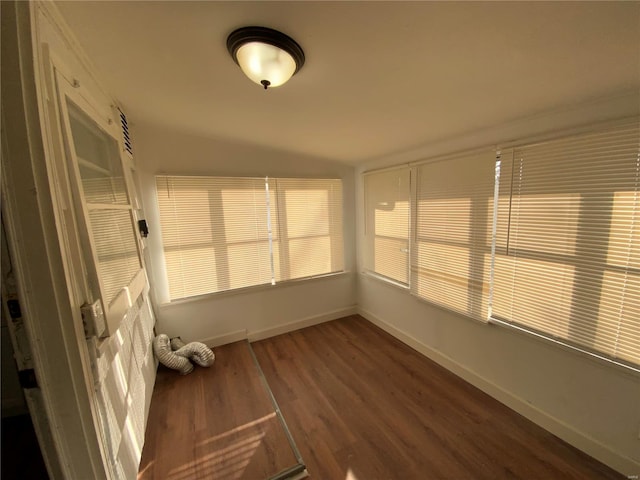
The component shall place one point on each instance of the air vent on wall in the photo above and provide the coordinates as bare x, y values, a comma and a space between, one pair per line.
125, 134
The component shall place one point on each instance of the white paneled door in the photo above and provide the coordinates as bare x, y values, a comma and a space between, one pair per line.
104, 198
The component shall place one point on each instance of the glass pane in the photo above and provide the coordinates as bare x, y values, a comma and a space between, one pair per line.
309, 256
98, 160
214, 232
310, 220
387, 223
115, 243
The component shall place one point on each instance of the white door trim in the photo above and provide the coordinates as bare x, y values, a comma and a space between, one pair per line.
34, 219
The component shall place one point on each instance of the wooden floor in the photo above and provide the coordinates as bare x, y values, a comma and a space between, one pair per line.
215, 423
361, 405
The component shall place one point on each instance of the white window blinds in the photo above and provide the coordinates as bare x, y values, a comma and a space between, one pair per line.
116, 249
222, 233
214, 232
568, 256
310, 230
451, 258
387, 216
106, 199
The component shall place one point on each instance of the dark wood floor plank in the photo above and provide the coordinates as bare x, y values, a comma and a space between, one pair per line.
360, 402
215, 423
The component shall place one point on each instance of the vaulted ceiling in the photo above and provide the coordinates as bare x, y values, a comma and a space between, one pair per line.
380, 77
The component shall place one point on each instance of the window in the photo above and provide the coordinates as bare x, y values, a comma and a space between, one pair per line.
310, 227
387, 224
568, 262
224, 233
452, 253
544, 238
104, 193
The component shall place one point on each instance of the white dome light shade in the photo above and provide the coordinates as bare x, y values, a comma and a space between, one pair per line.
268, 57
261, 61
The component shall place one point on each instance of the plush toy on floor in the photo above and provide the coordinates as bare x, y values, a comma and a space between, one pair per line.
179, 360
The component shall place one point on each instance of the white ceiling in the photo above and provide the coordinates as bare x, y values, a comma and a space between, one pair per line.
380, 77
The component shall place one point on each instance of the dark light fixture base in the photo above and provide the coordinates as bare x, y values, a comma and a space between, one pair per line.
244, 35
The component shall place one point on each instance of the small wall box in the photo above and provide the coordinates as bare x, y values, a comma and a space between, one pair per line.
93, 319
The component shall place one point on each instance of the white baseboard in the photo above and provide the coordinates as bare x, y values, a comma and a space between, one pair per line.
225, 339
298, 324
579, 440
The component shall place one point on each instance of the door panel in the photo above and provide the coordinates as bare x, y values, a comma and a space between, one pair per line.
104, 202
105, 210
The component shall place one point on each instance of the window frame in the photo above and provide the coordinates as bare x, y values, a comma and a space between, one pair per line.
577, 260
499, 183
276, 201
476, 246
369, 267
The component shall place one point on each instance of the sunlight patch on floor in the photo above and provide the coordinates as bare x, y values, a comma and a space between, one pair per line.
350, 475
225, 462
236, 430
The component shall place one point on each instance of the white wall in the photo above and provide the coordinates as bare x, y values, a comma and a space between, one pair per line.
255, 312
591, 404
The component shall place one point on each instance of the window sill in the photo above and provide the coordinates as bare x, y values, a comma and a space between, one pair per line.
252, 289
385, 280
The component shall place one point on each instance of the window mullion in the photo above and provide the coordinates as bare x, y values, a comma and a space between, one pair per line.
269, 231
494, 229
413, 209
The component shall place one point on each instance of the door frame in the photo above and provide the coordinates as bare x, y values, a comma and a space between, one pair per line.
35, 208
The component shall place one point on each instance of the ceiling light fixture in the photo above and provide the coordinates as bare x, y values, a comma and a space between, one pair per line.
268, 57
